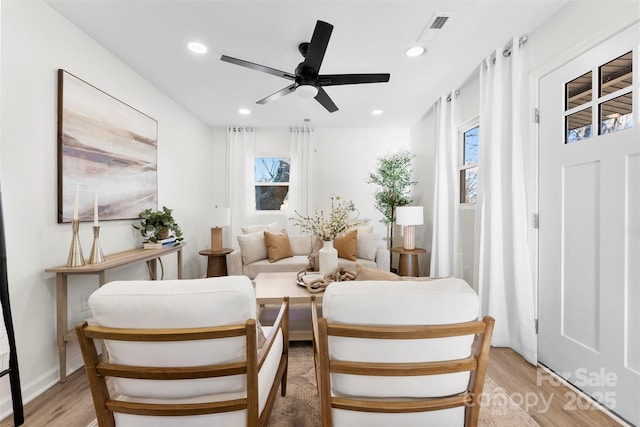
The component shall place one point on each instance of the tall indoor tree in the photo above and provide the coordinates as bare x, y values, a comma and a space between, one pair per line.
393, 178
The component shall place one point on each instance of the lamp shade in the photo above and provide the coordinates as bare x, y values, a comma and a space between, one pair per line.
220, 217
409, 215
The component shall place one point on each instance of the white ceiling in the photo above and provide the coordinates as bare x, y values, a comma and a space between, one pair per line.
368, 37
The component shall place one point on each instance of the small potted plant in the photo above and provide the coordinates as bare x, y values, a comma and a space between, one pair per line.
158, 225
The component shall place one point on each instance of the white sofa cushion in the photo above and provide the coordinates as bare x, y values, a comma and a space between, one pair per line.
366, 246
253, 247
176, 304
248, 229
301, 244
400, 303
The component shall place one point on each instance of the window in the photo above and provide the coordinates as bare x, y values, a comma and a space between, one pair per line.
271, 177
609, 94
469, 164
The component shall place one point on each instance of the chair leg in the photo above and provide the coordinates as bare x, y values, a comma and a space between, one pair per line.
283, 383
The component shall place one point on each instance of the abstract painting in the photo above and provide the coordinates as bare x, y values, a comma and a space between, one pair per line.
107, 151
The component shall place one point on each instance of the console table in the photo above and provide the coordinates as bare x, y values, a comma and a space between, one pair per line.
112, 261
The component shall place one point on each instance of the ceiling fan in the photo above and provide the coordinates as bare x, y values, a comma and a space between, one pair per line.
306, 80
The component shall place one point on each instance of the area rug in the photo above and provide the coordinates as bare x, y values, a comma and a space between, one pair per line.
301, 406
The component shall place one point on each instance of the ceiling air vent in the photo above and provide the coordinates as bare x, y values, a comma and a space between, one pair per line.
438, 22
433, 27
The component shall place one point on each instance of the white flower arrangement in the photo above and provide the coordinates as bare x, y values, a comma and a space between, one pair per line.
338, 221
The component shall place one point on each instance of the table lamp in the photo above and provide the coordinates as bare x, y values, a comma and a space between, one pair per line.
220, 218
409, 216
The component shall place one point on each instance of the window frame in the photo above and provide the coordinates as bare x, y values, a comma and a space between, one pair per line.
598, 99
256, 183
463, 128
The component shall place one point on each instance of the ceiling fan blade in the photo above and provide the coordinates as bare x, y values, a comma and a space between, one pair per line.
257, 67
318, 45
351, 79
323, 98
279, 94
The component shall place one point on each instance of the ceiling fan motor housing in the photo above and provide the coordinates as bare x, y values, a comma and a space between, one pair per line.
306, 80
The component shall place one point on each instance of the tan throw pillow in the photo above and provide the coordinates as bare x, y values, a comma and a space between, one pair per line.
278, 245
346, 245
364, 273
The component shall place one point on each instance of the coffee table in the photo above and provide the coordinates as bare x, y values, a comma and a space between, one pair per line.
271, 288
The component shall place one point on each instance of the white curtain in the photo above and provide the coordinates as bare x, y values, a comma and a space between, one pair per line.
239, 193
445, 241
300, 173
504, 272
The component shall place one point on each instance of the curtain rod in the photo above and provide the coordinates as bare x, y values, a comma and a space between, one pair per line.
301, 129
241, 129
455, 95
507, 52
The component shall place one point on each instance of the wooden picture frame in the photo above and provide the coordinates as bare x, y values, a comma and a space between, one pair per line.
105, 148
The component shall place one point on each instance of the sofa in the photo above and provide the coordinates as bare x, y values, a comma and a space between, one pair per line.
281, 252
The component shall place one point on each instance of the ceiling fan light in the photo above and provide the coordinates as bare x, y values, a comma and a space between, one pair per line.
197, 47
414, 51
307, 91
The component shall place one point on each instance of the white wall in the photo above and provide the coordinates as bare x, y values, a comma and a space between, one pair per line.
36, 41
423, 145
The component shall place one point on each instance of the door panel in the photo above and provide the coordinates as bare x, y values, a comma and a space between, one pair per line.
589, 236
580, 255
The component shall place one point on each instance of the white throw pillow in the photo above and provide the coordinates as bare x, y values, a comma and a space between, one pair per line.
272, 228
366, 246
253, 247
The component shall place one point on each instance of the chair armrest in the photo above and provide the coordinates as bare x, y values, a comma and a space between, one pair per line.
234, 263
383, 259
314, 326
281, 323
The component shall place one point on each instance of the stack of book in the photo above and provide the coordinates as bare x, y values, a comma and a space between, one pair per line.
163, 243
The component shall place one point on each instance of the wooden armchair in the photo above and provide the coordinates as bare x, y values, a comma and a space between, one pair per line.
183, 352
410, 353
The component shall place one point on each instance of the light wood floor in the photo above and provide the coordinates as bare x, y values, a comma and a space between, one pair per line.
70, 405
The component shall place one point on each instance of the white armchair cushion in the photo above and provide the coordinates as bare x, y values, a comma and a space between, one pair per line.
400, 303
176, 304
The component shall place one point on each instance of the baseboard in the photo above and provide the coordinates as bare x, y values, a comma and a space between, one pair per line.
36, 387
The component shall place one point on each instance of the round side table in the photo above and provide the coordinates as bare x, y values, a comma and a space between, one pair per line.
216, 261
408, 261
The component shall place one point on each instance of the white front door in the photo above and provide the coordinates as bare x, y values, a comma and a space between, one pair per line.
589, 260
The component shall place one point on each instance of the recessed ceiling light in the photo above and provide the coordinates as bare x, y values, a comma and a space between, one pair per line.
377, 112
415, 51
197, 47
244, 111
